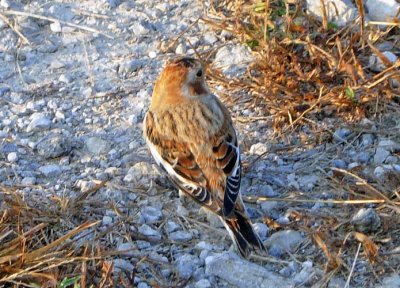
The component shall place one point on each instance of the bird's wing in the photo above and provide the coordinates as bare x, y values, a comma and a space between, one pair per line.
227, 154
179, 162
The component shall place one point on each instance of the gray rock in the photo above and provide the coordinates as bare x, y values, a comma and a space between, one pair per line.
363, 157
140, 173
203, 283
54, 145
4, 90
149, 232
341, 134
123, 265
66, 78
306, 277
47, 48
339, 163
107, 220
367, 140
12, 157
379, 172
308, 182
115, 4
389, 145
241, 273
380, 155
366, 220
151, 214
28, 181
39, 121
96, 146
261, 229
131, 66
172, 226
51, 170
3, 134
180, 236
353, 165
210, 38
128, 248
391, 281
186, 265
268, 206
140, 28
286, 240
267, 191
337, 282
85, 185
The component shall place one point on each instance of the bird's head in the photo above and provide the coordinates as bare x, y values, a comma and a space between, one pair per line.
181, 80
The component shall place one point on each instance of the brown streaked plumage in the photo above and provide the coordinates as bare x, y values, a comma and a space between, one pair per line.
191, 136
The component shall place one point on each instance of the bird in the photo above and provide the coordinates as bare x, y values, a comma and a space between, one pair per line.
191, 136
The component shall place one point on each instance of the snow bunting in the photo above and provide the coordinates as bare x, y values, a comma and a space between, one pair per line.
191, 136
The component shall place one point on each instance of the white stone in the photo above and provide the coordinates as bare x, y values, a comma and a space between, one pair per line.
146, 230
233, 59
210, 38
241, 273
152, 54
285, 240
51, 170
380, 155
5, 3
258, 149
12, 157
382, 10
39, 121
96, 145
180, 236
341, 12
55, 27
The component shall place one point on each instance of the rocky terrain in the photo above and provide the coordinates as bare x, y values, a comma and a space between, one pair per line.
76, 79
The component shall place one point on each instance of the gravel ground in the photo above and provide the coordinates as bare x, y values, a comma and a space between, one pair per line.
72, 103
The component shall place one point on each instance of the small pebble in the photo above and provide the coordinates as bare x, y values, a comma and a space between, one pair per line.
366, 220
12, 157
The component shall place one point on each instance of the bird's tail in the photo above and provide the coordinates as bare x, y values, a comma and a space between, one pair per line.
243, 234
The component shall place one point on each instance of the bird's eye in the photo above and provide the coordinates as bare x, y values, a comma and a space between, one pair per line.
199, 73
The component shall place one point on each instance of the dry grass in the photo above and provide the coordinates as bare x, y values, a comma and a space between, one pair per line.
305, 69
